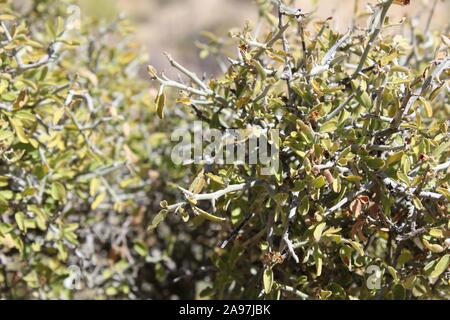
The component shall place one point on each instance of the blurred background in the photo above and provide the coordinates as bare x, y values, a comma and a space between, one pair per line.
175, 25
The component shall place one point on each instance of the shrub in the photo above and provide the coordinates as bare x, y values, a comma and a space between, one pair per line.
76, 172
361, 197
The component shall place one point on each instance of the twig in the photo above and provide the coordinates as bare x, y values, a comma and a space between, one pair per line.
215, 195
188, 73
400, 187
287, 73
375, 147
347, 199
272, 41
336, 111
170, 83
441, 167
329, 56
51, 52
294, 291
376, 31
83, 134
236, 231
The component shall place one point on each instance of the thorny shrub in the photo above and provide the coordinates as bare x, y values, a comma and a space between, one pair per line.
363, 184
81, 158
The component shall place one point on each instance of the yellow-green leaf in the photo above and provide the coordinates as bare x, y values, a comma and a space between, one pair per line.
441, 266
160, 104
208, 216
393, 158
268, 280
319, 182
98, 200
435, 248
318, 231
58, 191
160, 217
427, 106
329, 126
20, 220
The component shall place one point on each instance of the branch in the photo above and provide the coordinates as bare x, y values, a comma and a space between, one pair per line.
287, 73
294, 291
374, 147
236, 231
215, 195
336, 111
170, 83
271, 42
80, 129
347, 199
51, 52
400, 187
441, 167
188, 73
290, 246
382, 16
410, 98
329, 56
292, 212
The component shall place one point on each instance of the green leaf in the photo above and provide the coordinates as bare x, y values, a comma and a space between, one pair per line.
318, 259
319, 182
5, 228
393, 273
49, 26
7, 17
140, 247
437, 233
268, 280
353, 178
435, 248
393, 158
20, 220
306, 131
98, 200
160, 104
329, 126
58, 191
441, 266
403, 177
208, 216
281, 198
364, 100
399, 292
427, 107
324, 294
303, 209
358, 247
444, 192
318, 231
32, 279
375, 163
417, 203
160, 217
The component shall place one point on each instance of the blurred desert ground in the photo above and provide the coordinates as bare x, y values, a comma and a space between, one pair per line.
175, 25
